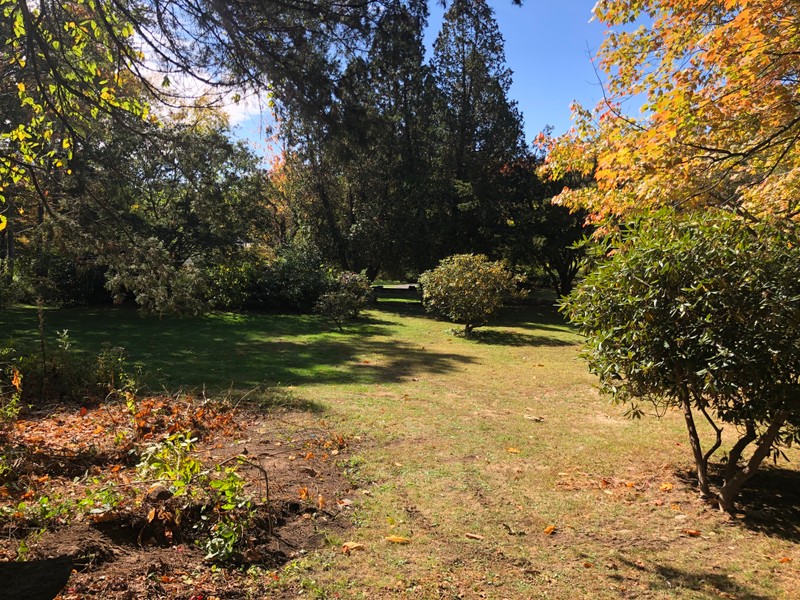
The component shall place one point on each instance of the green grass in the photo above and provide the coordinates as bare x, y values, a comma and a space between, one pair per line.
498, 436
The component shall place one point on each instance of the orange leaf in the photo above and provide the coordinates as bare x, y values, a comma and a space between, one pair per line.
84, 410
303, 491
512, 450
27, 495
785, 560
320, 501
151, 515
550, 530
16, 380
397, 539
692, 532
666, 487
99, 429
309, 456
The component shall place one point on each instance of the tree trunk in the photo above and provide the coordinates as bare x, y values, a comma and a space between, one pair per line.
730, 489
699, 459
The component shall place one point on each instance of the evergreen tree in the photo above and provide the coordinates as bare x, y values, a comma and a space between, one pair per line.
479, 130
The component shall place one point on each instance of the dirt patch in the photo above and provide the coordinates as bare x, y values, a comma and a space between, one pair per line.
75, 490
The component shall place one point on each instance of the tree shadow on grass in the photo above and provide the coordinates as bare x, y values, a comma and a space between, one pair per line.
668, 579
513, 338
236, 352
769, 502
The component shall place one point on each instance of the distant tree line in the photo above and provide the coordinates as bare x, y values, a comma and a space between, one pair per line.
389, 162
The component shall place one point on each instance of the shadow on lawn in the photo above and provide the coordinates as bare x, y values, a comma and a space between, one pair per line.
770, 501
669, 578
513, 338
240, 351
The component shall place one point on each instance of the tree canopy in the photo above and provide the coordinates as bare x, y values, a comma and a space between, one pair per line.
720, 119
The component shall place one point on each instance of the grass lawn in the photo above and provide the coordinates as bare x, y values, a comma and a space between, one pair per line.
494, 456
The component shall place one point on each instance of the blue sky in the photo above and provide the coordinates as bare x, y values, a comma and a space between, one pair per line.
548, 47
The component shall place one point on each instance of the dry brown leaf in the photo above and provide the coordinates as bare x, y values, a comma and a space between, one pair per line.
550, 530
588, 565
473, 536
691, 532
397, 539
349, 547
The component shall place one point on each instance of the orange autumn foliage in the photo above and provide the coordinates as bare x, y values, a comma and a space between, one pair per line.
720, 121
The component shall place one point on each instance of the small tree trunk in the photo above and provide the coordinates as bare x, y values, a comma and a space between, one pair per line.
468, 330
699, 459
736, 452
730, 489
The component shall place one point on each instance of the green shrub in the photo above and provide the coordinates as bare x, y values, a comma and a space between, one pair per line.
702, 313
348, 295
467, 289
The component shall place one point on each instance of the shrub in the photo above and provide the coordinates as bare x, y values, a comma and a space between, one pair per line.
701, 313
467, 289
347, 296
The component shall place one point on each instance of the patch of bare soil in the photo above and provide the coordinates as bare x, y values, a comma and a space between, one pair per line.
70, 486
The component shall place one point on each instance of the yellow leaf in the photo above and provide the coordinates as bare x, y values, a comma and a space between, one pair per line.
550, 530
512, 450
348, 547
397, 539
666, 487
21, 87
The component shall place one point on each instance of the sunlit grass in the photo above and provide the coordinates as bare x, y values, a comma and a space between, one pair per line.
499, 437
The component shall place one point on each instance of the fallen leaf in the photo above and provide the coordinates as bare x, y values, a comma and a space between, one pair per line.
397, 539
675, 507
344, 502
473, 536
151, 515
630, 484
84, 410
550, 530
588, 565
348, 547
785, 560
512, 450
666, 487
99, 429
303, 491
309, 456
692, 532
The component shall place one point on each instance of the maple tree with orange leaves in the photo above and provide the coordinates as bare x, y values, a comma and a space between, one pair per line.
720, 120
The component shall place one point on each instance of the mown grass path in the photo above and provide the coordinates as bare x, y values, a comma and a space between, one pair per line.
493, 455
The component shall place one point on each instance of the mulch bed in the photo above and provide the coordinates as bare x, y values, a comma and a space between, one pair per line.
69, 486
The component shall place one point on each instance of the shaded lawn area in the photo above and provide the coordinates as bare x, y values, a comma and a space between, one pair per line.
234, 351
